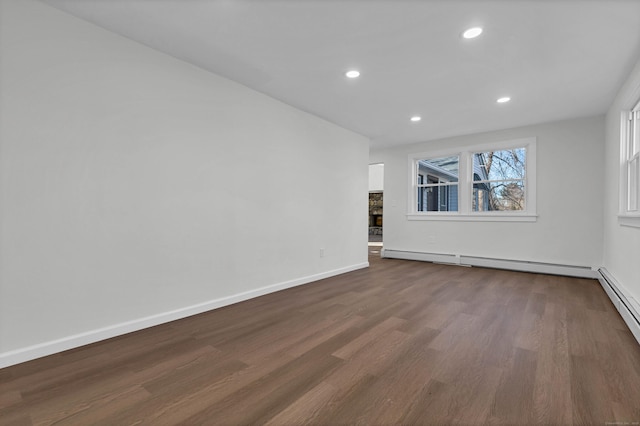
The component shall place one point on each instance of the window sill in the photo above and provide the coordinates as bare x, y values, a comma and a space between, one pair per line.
486, 217
629, 220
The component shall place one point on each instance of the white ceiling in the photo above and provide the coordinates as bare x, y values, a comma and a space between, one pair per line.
556, 59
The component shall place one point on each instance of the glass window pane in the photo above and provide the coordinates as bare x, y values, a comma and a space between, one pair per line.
498, 196
438, 170
635, 138
438, 198
500, 165
633, 184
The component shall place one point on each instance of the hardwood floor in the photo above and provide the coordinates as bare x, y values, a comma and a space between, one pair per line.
399, 343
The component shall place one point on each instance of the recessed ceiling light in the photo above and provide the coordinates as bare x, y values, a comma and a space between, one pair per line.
416, 118
352, 74
503, 100
472, 32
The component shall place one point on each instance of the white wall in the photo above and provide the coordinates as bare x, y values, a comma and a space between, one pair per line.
376, 177
568, 230
621, 243
136, 188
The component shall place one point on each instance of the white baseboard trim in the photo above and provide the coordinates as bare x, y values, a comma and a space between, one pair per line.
622, 300
70, 342
515, 265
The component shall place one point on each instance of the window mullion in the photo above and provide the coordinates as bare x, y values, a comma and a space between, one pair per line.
466, 183
634, 140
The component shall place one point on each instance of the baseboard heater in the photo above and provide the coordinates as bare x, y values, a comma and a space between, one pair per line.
484, 262
627, 310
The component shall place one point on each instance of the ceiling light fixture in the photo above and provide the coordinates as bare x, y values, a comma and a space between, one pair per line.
352, 74
503, 100
472, 32
416, 118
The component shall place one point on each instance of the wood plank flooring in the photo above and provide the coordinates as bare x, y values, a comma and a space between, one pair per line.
401, 342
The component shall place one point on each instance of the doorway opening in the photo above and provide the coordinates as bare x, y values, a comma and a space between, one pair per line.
376, 207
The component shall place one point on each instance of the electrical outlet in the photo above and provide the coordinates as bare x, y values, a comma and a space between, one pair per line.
321, 252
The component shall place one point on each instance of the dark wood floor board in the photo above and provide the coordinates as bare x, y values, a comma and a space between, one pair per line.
367, 306
507, 323
625, 344
514, 395
430, 279
114, 376
433, 315
338, 410
463, 368
462, 326
308, 408
23, 377
619, 391
431, 406
589, 390
178, 350
528, 335
110, 374
16, 418
625, 414
449, 291
401, 342
9, 398
397, 385
221, 330
467, 355
83, 395
349, 298
552, 388
476, 401
369, 362
130, 345
89, 410
156, 368
582, 339
176, 408
537, 302
194, 375
595, 296
163, 394
375, 333
311, 333
418, 301
424, 286
256, 336
310, 341
283, 387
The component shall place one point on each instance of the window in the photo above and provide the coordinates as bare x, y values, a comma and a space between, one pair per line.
630, 173
498, 180
494, 182
437, 188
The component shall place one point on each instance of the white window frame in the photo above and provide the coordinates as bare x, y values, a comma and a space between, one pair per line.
630, 167
440, 184
465, 184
